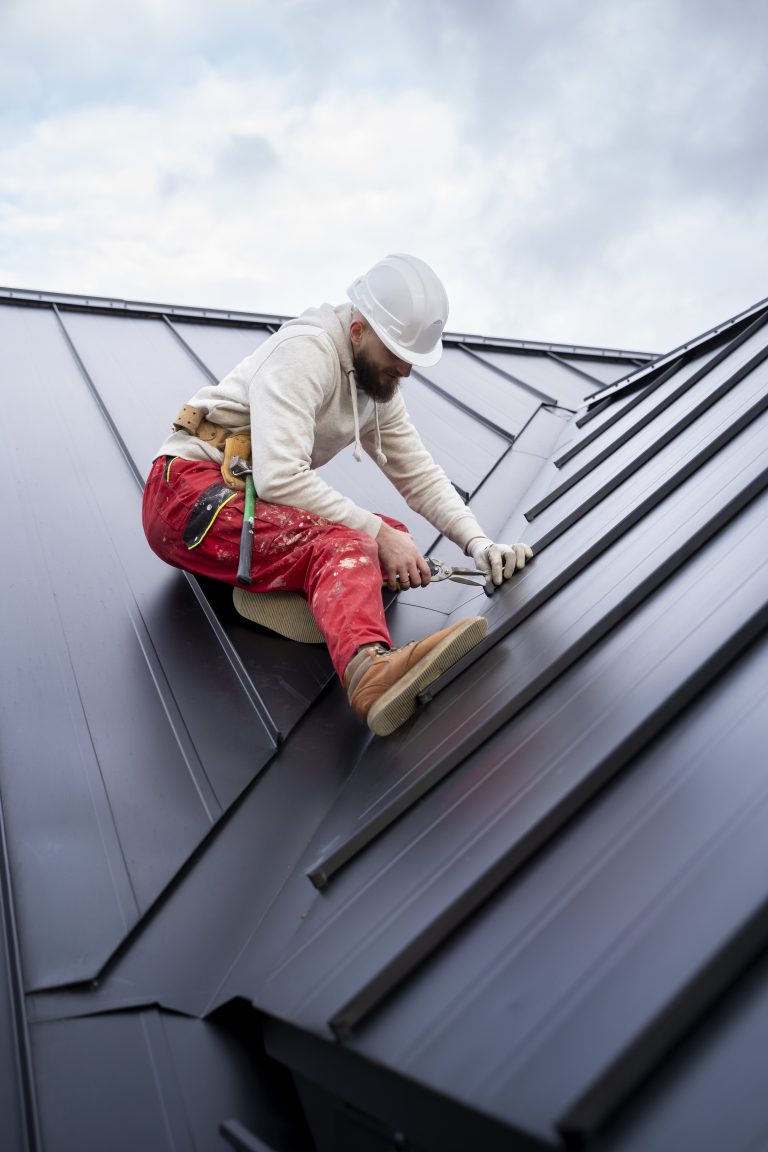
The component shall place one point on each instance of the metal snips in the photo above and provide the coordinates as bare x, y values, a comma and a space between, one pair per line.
439, 571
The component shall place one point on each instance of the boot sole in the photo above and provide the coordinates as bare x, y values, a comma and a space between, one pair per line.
286, 613
399, 703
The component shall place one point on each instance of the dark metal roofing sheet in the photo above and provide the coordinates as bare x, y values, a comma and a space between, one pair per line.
141, 372
675, 432
647, 893
723, 334
155, 1082
465, 448
538, 652
536, 777
97, 637
190, 941
632, 410
499, 400
571, 558
549, 375
574, 743
221, 347
709, 1093
520, 475
18, 1106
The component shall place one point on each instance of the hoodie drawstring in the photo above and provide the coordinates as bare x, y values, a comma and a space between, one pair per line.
381, 459
358, 453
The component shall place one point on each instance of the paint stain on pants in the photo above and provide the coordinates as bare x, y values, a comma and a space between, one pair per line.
335, 567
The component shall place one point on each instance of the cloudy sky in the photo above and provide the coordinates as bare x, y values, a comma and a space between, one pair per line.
586, 171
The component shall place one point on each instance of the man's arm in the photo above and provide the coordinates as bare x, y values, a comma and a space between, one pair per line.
286, 395
421, 482
427, 489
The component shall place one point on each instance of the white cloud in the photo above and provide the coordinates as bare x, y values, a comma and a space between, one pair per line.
588, 173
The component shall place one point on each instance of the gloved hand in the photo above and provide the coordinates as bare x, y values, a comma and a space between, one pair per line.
498, 561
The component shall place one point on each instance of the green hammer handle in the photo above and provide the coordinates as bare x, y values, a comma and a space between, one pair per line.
246, 536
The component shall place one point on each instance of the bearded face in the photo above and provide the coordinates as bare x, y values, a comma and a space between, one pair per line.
378, 370
380, 386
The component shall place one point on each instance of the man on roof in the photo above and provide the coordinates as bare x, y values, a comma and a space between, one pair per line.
324, 381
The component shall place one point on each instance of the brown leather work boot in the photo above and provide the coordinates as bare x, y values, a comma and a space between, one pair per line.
382, 685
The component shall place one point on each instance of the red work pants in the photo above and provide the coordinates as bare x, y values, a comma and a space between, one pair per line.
335, 567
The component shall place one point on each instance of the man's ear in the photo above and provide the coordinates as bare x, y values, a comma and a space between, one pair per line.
356, 329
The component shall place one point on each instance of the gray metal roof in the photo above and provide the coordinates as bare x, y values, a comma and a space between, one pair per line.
532, 918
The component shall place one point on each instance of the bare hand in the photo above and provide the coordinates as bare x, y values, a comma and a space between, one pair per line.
401, 560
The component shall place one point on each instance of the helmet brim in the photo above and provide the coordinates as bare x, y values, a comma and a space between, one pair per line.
415, 359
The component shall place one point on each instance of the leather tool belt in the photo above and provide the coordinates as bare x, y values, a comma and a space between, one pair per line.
194, 421
232, 444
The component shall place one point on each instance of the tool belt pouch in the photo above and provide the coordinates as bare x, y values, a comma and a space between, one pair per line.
234, 447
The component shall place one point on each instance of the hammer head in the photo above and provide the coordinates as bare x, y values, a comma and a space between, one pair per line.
239, 466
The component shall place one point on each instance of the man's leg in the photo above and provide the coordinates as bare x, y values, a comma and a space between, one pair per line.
336, 568
193, 521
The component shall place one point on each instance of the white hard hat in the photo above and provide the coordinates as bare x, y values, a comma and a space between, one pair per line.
406, 305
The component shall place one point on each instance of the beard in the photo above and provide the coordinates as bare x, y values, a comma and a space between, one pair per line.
375, 383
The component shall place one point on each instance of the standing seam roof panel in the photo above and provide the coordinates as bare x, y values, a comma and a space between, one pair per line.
88, 859
621, 891
742, 467
629, 696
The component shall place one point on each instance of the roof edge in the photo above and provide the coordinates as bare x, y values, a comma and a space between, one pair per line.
682, 349
92, 303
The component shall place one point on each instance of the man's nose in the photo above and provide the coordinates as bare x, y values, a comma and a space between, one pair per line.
403, 369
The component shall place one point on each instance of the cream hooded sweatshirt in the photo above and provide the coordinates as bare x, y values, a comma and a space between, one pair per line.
297, 395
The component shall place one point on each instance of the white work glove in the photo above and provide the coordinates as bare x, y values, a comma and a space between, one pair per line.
498, 561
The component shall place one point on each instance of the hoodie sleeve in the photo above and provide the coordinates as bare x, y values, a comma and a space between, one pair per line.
421, 482
287, 395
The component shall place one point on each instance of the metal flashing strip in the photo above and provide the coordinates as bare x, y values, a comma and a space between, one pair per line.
623, 437
748, 617
595, 549
571, 366
543, 346
675, 364
691, 345
716, 974
643, 458
543, 397
644, 421
381, 817
73, 302
590, 437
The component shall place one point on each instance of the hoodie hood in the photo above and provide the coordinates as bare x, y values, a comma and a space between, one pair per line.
336, 321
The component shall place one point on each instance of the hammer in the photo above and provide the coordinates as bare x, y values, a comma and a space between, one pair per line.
241, 467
